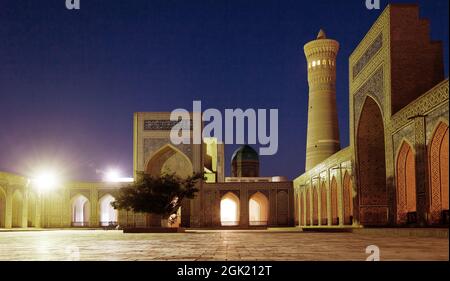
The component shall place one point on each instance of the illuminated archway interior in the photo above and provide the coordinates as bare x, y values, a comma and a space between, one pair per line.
229, 210
258, 209
108, 215
80, 211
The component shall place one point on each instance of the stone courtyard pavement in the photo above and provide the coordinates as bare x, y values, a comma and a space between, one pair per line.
213, 245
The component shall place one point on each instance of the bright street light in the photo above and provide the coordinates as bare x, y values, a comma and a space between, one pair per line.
45, 180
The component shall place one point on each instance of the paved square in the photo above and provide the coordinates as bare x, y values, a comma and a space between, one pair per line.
213, 245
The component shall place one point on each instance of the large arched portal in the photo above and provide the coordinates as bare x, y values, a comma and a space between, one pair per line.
258, 209
168, 160
108, 215
17, 209
2, 208
371, 165
405, 183
229, 210
438, 159
348, 199
80, 211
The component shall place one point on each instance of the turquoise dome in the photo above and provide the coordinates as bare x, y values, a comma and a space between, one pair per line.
245, 153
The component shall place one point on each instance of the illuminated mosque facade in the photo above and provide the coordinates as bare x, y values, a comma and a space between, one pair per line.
393, 173
395, 170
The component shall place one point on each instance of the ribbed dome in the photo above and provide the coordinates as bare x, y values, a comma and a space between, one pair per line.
245, 153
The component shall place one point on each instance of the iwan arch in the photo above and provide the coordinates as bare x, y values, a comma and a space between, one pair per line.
394, 172
243, 200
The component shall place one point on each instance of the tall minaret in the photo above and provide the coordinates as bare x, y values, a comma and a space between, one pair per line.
323, 130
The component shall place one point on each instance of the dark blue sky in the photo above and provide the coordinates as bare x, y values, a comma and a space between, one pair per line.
71, 80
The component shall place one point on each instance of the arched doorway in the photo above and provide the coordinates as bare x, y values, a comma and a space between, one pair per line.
405, 183
2, 208
32, 206
323, 204
308, 207
334, 202
371, 165
17, 209
169, 159
315, 206
438, 159
258, 209
348, 199
80, 210
229, 210
108, 215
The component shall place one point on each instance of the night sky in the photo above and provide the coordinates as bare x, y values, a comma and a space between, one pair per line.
71, 80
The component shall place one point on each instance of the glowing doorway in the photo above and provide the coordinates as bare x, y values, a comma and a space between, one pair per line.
108, 215
229, 210
258, 209
80, 211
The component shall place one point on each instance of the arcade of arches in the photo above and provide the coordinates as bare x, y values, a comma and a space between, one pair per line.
247, 202
34, 211
258, 210
337, 200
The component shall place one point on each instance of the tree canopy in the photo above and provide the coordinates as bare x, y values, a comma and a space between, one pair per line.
161, 195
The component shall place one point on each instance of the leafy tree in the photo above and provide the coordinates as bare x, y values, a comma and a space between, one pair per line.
157, 195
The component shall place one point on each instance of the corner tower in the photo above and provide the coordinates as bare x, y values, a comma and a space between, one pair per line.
323, 130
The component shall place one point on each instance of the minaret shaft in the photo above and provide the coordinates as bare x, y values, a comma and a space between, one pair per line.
323, 130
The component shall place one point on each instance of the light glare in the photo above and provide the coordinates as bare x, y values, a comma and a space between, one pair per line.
45, 180
112, 176
115, 176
